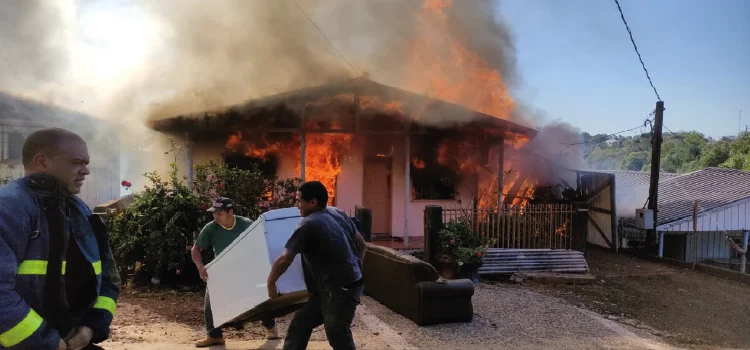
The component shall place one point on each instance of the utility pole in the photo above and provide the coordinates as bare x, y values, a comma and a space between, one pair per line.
653, 190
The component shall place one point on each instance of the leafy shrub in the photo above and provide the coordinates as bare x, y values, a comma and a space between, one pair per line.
157, 229
245, 187
460, 244
153, 235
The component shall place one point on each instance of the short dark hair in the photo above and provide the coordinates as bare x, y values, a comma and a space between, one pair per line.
45, 141
314, 190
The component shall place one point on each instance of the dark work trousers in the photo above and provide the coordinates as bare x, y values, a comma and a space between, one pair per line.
334, 309
216, 332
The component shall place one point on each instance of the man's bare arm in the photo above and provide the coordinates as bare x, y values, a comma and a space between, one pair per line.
195, 254
278, 268
359, 241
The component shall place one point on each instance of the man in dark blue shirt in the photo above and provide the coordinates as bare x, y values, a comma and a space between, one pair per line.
332, 252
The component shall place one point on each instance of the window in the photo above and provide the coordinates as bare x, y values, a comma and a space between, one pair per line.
429, 185
15, 146
430, 180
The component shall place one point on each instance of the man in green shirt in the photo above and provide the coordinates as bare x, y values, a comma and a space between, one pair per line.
219, 234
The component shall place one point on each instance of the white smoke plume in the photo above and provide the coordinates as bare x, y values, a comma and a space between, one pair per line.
130, 61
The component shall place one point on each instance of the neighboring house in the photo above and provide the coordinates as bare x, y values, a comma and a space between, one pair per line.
19, 117
368, 141
723, 197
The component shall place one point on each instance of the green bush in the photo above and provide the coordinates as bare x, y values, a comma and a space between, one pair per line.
460, 244
155, 231
153, 235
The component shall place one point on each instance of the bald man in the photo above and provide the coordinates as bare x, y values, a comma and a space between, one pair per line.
58, 282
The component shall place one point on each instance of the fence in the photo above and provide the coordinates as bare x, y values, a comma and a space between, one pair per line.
703, 247
535, 226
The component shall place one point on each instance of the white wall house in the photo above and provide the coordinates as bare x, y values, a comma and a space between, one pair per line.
723, 198
19, 117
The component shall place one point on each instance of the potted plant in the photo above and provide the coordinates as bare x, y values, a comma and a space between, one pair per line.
462, 250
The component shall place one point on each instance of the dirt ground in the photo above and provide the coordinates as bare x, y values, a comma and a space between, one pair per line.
635, 304
685, 308
164, 319
506, 315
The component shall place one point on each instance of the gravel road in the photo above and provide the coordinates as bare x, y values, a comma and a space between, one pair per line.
513, 318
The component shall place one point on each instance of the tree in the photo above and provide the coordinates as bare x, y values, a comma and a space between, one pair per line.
739, 153
681, 152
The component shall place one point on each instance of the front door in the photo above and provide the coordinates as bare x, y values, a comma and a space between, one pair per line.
377, 193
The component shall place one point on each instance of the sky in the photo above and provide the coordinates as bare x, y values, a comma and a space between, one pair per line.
577, 63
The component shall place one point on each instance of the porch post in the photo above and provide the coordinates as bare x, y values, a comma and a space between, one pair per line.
500, 175
302, 156
743, 264
407, 188
661, 244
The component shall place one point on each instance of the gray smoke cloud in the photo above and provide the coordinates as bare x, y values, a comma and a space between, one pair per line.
192, 55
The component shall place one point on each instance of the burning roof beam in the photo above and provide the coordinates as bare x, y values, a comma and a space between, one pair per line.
430, 111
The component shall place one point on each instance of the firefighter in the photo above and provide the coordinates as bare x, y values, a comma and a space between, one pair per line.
58, 282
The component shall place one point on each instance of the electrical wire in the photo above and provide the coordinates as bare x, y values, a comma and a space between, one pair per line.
636, 49
606, 137
329, 40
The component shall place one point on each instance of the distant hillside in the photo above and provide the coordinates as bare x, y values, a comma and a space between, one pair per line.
681, 152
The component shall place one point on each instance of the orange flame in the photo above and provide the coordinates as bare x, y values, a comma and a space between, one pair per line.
322, 158
322, 154
442, 64
417, 163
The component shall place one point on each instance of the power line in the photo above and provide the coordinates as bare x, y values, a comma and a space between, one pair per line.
606, 137
676, 135
636, 49
329, 40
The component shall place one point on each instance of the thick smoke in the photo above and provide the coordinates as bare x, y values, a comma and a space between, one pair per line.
199, 55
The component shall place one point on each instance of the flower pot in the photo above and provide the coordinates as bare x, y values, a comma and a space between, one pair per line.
470, 271
447, 269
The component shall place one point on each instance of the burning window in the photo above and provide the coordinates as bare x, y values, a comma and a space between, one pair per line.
430, 179
428, 185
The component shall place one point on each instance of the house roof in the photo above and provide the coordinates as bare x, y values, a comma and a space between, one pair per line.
26, 111
711, 187
635, 181
429, 110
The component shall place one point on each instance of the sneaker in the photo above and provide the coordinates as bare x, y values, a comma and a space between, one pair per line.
209, 342
272, 333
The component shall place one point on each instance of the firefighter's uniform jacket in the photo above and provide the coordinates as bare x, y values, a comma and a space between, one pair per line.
88, 287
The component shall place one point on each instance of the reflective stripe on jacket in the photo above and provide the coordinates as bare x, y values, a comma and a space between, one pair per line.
24, 248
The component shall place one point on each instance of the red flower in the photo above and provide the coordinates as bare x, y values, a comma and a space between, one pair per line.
479, 253
204, 206
453, 242
220, 186
125, 183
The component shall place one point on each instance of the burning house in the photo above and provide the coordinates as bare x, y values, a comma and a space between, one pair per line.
372, 145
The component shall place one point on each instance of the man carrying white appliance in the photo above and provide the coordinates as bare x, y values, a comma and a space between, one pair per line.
219, 234
332, 252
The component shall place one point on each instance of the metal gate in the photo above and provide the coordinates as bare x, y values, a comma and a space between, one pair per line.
534, 226
598, 190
